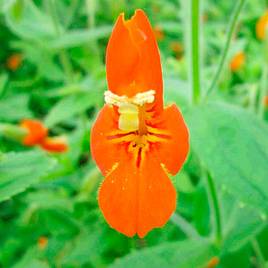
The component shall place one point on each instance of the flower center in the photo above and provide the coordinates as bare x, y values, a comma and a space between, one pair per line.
132, 111
133, 131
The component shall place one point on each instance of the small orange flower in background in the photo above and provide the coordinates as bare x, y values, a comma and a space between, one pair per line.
14, 62
262, 26
56, 144
177, 49
135, 141
158, 33
42, 242
265, 101
213, 262
37, 134
237, 61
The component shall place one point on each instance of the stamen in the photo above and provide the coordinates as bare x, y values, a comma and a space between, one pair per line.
144, 97
131, 117
139, 99
111, 98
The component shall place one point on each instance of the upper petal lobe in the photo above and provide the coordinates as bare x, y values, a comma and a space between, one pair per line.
132, 58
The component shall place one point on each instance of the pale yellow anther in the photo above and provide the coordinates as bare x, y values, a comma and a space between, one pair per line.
128, 108
113, 99
144, 97
139, 99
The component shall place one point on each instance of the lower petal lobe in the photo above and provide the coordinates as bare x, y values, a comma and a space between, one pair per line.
136, 200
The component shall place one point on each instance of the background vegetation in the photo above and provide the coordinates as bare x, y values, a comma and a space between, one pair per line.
52, 69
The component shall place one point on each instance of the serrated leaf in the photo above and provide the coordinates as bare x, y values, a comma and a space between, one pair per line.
18, 171
232, 144
183, 254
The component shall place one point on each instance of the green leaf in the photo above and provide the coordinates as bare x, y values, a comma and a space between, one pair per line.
240, 221
28, 22
19, 171
9, 113
71, 106
185, 254
79, 37
232, 144
3, 82
245, 224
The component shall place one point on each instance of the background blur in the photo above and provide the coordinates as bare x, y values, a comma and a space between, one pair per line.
52, 69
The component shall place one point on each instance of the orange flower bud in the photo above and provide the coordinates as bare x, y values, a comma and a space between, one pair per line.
36, 131
54, 145
262, 26
237, 61
177, 48
14, 62
213, 262
42, 242
265, 101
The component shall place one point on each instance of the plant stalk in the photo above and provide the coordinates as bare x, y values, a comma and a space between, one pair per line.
195, 50
64, 59
216, 208
230, 33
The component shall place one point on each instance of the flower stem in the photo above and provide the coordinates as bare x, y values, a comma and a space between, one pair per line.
230, 32
184, 225
195, 50
216, 207
263, 90
258, 253
264, 79
12, 132
63, 57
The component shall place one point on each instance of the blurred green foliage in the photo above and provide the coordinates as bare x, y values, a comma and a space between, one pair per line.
60, 79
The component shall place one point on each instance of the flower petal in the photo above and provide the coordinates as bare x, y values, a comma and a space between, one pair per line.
136, 200
55, 144
36, 131
172, 152
104, 152
132, 58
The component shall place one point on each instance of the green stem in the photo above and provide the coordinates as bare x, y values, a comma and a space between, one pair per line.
195, 47
230, 32
264, 79
263, 90
216, 207
185, 226
12, 132
64, 59
258, 253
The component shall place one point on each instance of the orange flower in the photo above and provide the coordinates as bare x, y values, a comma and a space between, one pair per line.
55, 144
36, 131
135, 141
213, 262
13, 62
237, 61
262, 26
42, 242
37, 134
265, 101
177, 48
158, 33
